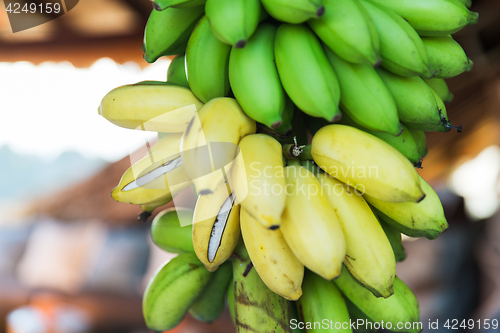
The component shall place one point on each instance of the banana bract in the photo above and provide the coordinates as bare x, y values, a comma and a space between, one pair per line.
310, 226
399, 309
271, 256
167, 233
423, 219
172, 290
367, 248
154, 179
216, 227
259, 179
209, 145
150, 107
366, 163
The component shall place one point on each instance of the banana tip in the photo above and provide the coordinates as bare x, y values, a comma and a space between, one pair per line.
143, 216
320, 11
205, 192
156, 6
274, 227
240, 44
421, 198
336, 118
377, 63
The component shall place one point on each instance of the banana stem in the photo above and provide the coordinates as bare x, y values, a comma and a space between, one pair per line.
306, 153
293, 162
291, 151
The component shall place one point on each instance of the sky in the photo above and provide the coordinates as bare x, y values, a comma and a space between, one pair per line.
51, 108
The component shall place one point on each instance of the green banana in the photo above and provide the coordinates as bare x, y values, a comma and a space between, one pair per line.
164, 4
295, 318
150, 107
230, 299
172, 290
401, 48
167, 233
399, 313
446, 56
440, 88
349, 31
365, 323
233, 21
364, 96
431, 17
208, 307
420, 141
322, 300
305, 72
394, 237
423, 219
294, 11
467, 3
167, 32
417, 103
176, 72
257, 309
207, 62
404, 142
254, 78
286, 128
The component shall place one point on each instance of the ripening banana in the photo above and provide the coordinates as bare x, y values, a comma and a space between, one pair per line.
294, 11
431, 17
209, 306
306, 74
420, 141
404, 142
167, 31
271, 256
256, 307
209, 145
349, 31
366, 163
254, 78
216, 227
156, 178
401, 48
310, 226
176, 72
164, 4
423, 219
446, 56
322, 300
150, 107
394, 237
367, 248
207, 61
172, 290
364, 96
233, 21
418, 105
167, 232
258, 179
440, 88
401, 308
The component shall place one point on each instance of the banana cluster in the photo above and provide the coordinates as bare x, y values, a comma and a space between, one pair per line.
299, 123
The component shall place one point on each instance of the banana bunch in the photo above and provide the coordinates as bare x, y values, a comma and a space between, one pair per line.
300, 125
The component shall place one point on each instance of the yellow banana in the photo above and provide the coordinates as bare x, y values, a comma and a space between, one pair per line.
150, 107
310, 226
271, 256
258, 179
216, 227
423, 219
367, 248
209, 144
153, 180
366, 163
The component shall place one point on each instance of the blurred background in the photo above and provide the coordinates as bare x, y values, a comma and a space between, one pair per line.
72, 260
